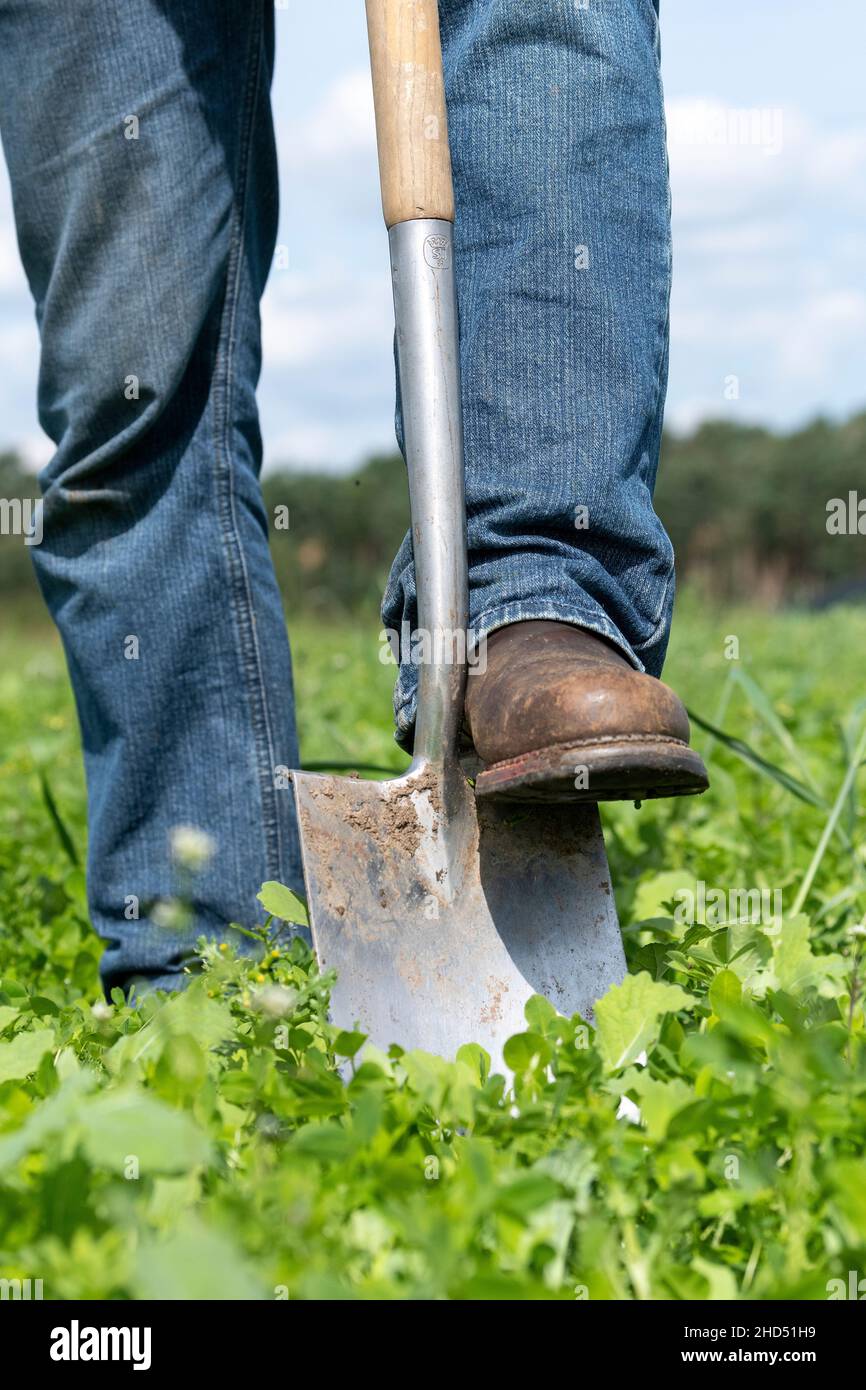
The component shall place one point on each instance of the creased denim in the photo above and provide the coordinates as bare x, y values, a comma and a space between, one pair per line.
146, 258
563, 252
147, 244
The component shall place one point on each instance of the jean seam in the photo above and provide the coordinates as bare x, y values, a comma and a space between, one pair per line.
658, 621
248, 650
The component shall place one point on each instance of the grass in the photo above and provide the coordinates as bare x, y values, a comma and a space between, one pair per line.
206, 1146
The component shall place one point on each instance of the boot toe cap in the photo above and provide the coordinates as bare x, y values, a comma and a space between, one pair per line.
617, 703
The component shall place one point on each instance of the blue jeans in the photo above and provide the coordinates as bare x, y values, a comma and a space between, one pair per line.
140, 148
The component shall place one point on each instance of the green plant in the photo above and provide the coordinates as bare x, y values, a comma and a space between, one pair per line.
705, 1140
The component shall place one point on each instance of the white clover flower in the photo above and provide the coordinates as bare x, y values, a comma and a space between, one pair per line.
169, 912
101, 1011
190, 847
275, 1000
269, 1126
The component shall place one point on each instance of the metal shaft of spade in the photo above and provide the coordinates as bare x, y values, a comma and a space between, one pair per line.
425, 314
418, 204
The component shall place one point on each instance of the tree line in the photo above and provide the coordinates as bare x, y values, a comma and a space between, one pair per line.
754, 516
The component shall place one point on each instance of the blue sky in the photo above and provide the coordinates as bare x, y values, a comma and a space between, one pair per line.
769, 304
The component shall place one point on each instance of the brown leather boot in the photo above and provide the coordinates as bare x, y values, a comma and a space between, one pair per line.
560, 715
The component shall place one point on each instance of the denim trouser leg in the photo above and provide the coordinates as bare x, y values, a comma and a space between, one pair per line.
139, 144
563, 264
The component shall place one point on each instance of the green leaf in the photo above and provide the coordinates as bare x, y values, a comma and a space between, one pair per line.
527, 1050
182, 1068
192, 1013
842, 800
348, 1044
763, 706
659, 1100
629, 1016
172, 1198
328, 1143
53, 1117
573, 1167
527, 1194
754, 760
21, 1056
53, 810
797, 968
474, 1056
122, 1125
849, 1182
539, 1013
656, 894
281, 902
238, 1087
195, 1263
449, 1088
723, 1284
724, 992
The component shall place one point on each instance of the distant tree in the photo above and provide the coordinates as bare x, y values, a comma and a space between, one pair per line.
17, 578
746, 509
342, 534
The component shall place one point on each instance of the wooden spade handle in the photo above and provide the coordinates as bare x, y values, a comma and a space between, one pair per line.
411, 120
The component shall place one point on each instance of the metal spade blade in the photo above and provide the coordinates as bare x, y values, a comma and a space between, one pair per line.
442, 915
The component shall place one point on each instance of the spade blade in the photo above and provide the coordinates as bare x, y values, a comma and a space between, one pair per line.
442, 915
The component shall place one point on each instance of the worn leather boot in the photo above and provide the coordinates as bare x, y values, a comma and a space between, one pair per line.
560, 715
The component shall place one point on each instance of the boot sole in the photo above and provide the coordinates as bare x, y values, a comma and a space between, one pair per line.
633, 768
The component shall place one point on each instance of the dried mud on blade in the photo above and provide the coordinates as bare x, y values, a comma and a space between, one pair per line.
442, 916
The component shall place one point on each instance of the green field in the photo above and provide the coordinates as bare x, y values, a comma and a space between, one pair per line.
205, 1146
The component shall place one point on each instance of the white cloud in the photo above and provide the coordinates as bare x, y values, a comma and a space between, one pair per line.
327, 390
36, 450
327, 315
324, 447
340, 127
812, 337
728, 161
685, 414
12, 278
767, 249
768, 256
749, 237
